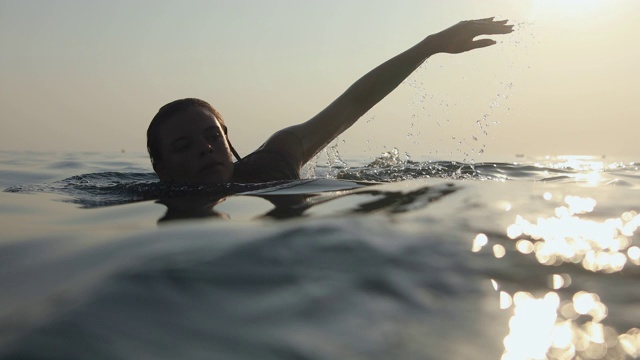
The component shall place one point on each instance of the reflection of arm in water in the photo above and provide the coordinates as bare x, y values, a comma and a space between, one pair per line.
305, 140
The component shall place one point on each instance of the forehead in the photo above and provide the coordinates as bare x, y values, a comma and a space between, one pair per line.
188, 122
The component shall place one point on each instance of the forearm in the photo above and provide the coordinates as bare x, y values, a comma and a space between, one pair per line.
360, 97
381, 81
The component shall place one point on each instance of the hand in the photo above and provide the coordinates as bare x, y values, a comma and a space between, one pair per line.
459, 37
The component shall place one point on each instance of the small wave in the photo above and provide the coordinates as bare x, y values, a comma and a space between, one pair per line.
390, 167
414, 170
116, 188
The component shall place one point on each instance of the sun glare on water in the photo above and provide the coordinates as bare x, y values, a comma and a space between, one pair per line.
567, 323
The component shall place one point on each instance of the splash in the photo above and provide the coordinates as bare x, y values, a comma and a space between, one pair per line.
390, 166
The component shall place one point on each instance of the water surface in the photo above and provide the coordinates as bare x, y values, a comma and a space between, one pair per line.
374, 259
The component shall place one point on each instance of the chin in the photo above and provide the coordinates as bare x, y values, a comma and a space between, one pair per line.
213, 178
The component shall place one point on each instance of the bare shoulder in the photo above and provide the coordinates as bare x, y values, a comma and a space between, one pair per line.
288, 143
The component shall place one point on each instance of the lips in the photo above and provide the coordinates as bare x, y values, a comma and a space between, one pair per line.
210, 166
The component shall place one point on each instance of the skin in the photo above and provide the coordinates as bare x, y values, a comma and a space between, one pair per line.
300, 143
194, 149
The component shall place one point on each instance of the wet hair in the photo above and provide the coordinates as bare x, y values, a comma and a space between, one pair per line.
168, 111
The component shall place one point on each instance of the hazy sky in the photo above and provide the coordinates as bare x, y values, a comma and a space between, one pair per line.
89, 75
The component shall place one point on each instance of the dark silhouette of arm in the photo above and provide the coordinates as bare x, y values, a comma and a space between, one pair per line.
303, 141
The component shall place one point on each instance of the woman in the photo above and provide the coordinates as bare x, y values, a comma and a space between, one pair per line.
188, 143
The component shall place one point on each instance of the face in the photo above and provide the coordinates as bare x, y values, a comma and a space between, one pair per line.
194, 149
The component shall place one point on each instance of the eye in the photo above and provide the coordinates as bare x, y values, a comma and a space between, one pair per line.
212, 136
181, 146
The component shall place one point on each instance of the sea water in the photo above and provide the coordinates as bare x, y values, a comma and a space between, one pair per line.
526, 258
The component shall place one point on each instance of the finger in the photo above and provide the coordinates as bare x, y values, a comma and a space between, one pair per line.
491, 20
502, 29
477, 44
493, 29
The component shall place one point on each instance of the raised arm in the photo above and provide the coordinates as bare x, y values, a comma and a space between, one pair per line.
303, 141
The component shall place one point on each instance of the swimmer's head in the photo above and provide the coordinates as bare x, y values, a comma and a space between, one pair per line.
187, 143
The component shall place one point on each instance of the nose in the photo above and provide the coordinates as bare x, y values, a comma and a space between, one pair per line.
205, 147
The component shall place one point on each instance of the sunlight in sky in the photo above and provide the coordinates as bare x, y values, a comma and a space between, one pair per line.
568, 8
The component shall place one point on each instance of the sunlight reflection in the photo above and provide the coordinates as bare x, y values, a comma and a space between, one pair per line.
577, 162
565, 237
559, 281
499, 251
630, 342
505, 300
555, 328
524, 246
589, 304
479, 241
590, 168
540, 329
562, 335
531, 316
634, 254
592, 178
495, 285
